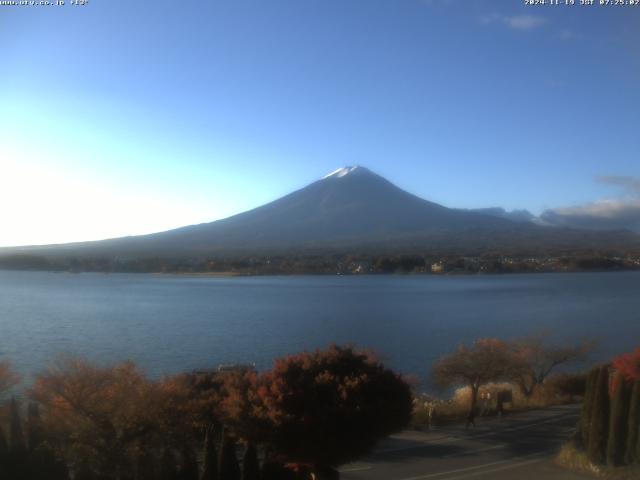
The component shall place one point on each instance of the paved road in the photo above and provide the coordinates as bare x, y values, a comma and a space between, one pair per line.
519, 447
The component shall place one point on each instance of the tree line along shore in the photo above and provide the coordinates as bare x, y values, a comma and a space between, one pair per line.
335, 263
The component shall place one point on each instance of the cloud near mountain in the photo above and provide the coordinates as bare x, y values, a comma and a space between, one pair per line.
607, 214
513, 215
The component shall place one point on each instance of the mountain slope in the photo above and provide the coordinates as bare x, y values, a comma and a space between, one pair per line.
349, 208
351, 204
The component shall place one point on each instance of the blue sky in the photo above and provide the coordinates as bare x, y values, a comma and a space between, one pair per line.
123, 117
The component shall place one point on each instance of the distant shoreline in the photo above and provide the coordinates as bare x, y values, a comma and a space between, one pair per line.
231, 274
337, 263
198, 274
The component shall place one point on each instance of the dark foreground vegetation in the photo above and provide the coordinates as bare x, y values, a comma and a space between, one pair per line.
302, 419
608, 435
332, 263
310, 413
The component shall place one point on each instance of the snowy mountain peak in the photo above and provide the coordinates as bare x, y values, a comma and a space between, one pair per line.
341, 172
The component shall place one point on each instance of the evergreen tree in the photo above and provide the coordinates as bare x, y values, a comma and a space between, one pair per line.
250, 464
189, 466
127, 469
228, 463
587, 407
16, 437
210, 457
618, 422
145, 466
4, 455
84, 472
4, 447
34, 426
599, 418
637, 459
633, 426
44, 464
168, 466
273, 469
17, 463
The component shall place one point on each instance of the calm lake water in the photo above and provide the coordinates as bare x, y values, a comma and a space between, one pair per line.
174, 323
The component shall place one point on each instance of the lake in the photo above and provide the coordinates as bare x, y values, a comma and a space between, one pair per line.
172, 323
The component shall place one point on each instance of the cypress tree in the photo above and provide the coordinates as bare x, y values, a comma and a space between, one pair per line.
45, 464
228, 464
250, 464
637, 459
618, 423
189, 466
4, 447
587, 407
210, 457
4, 455
127, 469
272, 469
16, 437
34, 426
168, 467
61, 471
633, 426
84, 473
145, 467
17, 463
599, 427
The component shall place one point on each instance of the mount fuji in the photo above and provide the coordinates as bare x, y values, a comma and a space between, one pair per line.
350, 208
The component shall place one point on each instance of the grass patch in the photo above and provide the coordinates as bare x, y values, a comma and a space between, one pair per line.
572, 458
456, 408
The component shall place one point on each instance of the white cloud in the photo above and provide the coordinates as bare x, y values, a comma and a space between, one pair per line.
515, 22
606, 209
612, 213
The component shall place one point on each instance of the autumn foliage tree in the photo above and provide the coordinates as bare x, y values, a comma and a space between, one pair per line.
484, 361
188, 407
312, 410
329, 407
8, 378
241, 408
628, 365
98, 415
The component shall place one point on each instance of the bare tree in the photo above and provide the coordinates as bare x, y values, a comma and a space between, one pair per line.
486, 360
535, 357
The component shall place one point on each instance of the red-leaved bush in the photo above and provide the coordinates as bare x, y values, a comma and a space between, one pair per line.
627, 366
